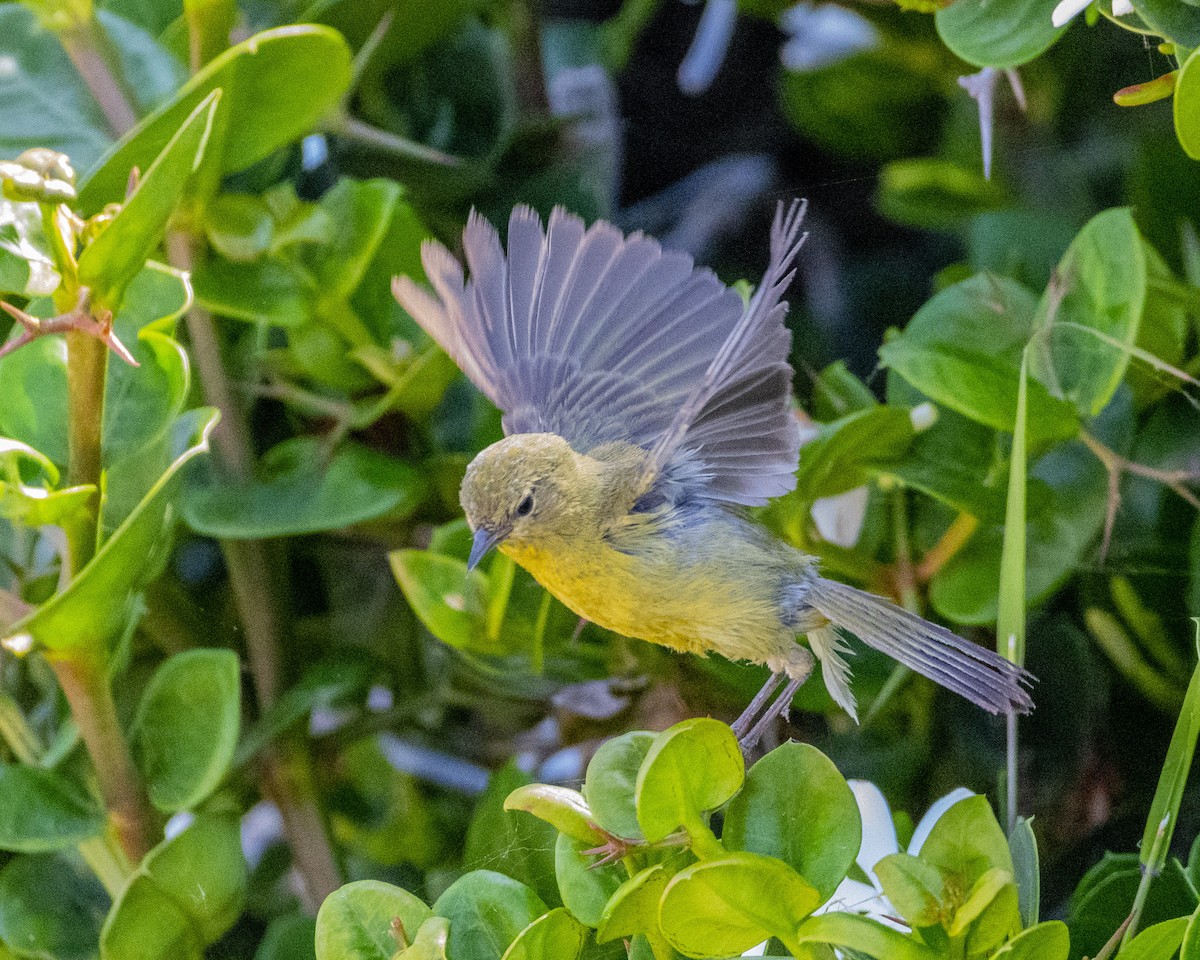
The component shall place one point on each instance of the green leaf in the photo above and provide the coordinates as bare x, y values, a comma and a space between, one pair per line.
45, 103
967, 841
430, 942
994, 889
1187, 105
723, 907
1022, 844
239, 226
633, 908
363, 211
563, 809
555, 936
934, 194
265, 291
301, 493
1090, 315
693, 767
186, 727
850, 451
288, 937
95, 606
796, 806
41, 811
585, 886
34, 410
446, 597
1190, 948
1067, 489
487, 912
915, 888
998, 33
1159, 942
509, 842
1175, 21
963, 349
1164, 809
355, 921
275, 86
26, 266
51, 906
1045, 941
111, 261
865, 936
141, 403
187, 893
611, 782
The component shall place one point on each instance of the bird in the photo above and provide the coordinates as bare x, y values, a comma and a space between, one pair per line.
646, 406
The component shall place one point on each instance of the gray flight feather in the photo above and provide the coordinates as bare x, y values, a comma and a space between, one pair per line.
981, 675
595, 336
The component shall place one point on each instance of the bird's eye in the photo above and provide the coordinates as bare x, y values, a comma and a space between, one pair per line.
525, 507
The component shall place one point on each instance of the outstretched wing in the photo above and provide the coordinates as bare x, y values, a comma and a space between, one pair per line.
600, 337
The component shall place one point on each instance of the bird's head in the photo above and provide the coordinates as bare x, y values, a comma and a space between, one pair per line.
521, 492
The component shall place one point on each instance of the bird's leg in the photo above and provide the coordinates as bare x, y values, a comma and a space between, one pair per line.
743, 723
781, 706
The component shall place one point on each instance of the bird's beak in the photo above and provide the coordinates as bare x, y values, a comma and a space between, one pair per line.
482, 543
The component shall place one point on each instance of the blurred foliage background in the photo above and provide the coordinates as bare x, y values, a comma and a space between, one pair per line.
323, 542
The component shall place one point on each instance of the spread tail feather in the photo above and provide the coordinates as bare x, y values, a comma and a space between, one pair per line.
981, 675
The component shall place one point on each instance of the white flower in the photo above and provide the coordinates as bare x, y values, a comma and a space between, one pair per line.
1068, 9
819, 36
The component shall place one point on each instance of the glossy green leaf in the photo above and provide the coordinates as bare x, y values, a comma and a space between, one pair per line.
430, 942
45, 103
963, 349
363, 211
51, 906
35, 396
186, 727
302, 493
487, 912
564, 809
555, 936
967, 841
187, 893
1090, 316
94, 607
1179, 22
693, 767
611, 782
1045, 941
999, 33
1187, 105
991, 906
585, 886
1159, 942
275, 86
851, 450
916, 888
722, 907
444, 595
863, 935
141, 403
1189, 949
796, 806
26, 267
239, 226
634, 907
41, 811
264, 291
355, 921
111, 261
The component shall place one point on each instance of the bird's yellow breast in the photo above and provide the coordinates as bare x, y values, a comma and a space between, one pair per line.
692, 603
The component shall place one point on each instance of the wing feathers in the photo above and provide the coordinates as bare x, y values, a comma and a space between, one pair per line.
600, 337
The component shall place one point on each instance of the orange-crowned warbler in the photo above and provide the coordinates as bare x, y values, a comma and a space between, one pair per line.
644, 406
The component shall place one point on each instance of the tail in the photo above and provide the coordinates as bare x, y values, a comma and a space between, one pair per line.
981, 675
